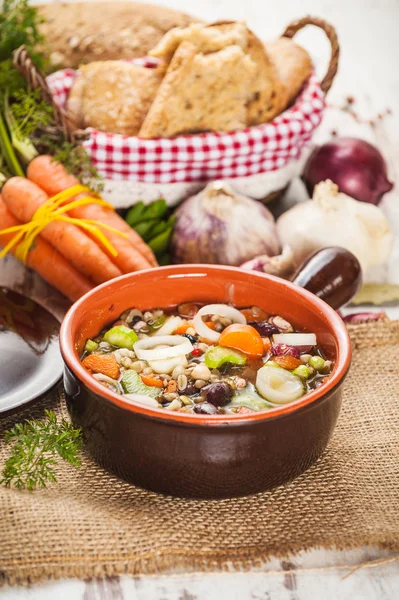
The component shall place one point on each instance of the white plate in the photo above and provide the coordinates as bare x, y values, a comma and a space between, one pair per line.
30, 359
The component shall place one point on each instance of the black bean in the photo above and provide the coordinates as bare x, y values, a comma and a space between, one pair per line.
218, 394
190, 390
205, 409
264, 328
190, 337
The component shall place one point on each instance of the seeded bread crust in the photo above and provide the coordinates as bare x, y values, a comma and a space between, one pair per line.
84, 32
113, 96
268, 96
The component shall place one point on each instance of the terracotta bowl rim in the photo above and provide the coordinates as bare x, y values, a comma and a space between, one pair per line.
71, 358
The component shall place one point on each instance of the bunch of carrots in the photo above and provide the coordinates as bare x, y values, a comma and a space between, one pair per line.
65, 255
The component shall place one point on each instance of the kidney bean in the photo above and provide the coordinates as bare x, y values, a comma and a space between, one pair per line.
218, 394
205, 409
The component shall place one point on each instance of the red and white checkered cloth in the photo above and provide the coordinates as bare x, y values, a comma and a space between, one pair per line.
206, 156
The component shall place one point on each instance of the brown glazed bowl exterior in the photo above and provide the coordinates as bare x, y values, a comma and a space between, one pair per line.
195, 455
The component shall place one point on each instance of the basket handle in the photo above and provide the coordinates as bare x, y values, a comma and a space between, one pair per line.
35, 79
331, 33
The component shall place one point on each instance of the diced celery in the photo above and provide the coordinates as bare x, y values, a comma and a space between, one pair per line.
217, 356
132, 384
121, 336
302, 371
317, 362
91, 346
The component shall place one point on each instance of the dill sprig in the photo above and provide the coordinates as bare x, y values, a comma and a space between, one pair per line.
36, 447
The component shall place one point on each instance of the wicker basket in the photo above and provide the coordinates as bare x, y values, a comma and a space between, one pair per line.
259, 161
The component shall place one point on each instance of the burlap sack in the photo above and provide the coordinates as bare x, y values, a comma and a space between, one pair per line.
91, 524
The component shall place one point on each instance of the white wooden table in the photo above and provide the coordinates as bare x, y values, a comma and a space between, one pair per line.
369, 72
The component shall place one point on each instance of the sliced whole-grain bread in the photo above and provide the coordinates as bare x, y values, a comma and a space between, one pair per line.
201, 92
268, 95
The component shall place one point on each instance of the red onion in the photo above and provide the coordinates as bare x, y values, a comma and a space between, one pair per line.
285, 350
357, 167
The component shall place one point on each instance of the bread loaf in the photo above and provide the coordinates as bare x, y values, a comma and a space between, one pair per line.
113, 96
293, 64
84, 32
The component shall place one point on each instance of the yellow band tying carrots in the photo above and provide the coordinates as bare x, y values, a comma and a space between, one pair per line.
56, 209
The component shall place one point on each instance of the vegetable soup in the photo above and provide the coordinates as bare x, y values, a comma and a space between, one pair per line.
212, 359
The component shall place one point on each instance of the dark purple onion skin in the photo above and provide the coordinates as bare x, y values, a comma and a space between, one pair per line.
357, 167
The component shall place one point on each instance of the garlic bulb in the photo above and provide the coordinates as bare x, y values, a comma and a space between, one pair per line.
334, 219
218, 226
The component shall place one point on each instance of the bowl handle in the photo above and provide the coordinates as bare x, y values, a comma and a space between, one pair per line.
333, 38
333, 274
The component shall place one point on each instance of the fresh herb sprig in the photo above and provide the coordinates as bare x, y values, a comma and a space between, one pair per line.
19, 23
36, 447
76, 161
30, 112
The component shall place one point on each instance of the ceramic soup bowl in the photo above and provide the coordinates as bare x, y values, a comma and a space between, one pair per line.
195, 455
